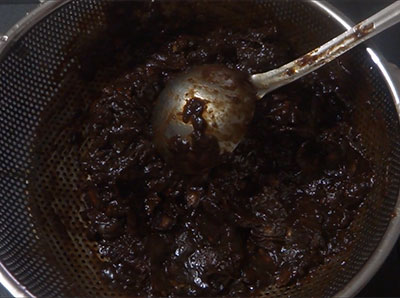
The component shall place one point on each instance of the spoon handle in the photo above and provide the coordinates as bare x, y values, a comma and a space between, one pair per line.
271, 80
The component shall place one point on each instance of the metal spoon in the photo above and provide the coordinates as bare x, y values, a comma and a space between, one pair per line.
229, 97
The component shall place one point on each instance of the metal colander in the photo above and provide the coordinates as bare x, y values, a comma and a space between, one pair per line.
44, 250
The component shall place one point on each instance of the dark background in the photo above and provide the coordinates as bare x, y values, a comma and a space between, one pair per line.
386, 282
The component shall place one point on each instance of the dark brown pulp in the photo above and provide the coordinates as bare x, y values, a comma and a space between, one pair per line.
200, 152
269, 213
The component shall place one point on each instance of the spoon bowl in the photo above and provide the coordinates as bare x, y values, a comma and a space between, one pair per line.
228, 101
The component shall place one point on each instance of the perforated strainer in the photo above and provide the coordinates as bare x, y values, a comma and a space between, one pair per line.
43, 246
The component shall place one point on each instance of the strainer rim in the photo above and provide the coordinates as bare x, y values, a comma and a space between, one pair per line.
392, 233
27, 22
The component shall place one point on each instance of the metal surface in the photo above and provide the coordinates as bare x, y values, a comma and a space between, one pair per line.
43, 171
228, 100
